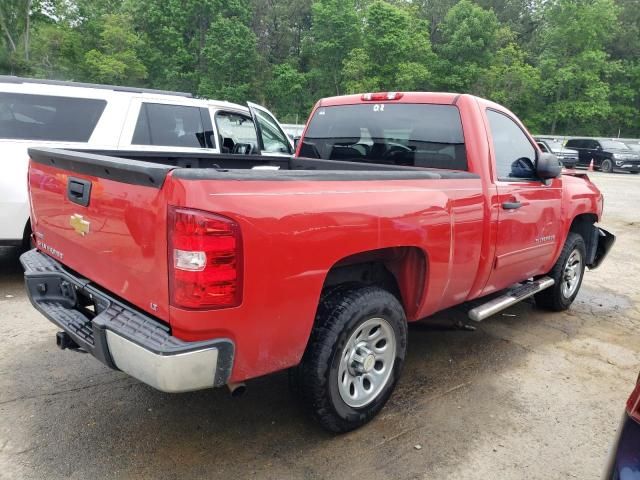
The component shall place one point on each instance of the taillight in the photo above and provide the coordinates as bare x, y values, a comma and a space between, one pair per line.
381, 96
205, 260
633, 404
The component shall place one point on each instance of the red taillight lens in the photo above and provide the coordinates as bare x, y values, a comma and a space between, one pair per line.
205, 260
381, 96
633, 404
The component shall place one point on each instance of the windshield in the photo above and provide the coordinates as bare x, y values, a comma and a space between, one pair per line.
420, 135
614, 145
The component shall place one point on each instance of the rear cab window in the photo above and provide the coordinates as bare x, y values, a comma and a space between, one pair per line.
418, 135
48, 117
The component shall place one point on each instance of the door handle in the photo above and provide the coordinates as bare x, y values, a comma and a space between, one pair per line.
511, 205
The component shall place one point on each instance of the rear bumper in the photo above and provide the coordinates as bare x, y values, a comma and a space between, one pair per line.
120, 336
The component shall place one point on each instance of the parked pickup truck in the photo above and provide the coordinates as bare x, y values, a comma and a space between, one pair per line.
188, 273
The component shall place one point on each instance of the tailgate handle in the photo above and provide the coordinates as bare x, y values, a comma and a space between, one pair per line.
78, 190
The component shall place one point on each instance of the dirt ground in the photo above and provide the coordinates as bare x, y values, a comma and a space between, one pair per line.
529, 394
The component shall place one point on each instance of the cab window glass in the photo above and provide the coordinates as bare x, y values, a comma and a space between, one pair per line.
49, 118
417, 135
273, 139
236, 132
514, 154
169, 126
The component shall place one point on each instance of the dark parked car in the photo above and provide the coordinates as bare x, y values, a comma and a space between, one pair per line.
624, 463
607, 155
568, 157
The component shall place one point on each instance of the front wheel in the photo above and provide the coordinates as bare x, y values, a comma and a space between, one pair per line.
567, 273
354, 357
606, 166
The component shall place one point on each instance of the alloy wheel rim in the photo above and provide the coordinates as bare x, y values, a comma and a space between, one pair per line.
366, 362
571, 274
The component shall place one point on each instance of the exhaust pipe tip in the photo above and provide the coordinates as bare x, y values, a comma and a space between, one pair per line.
237, 389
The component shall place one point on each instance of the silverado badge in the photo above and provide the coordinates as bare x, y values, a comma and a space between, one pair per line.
79, 224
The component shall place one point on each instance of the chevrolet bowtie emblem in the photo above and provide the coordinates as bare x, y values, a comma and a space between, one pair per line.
79, 224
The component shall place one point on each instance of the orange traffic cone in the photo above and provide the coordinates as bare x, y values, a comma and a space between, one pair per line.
590, 169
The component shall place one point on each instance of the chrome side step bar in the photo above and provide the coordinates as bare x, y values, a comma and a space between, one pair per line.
512, 297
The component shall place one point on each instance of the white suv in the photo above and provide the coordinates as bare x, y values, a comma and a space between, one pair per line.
101, 117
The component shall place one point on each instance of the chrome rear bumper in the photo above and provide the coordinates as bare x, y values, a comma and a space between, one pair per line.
120, 336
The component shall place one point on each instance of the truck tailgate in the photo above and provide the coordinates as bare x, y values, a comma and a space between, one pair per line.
106, 219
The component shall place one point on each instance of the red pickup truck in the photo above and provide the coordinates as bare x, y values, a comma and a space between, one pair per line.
189, 273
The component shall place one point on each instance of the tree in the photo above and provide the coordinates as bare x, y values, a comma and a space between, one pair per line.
470, 37
514, 83
228, 61
280, 26
574, 64
334, 33
15, 31
116, 61
286, 93
396, 52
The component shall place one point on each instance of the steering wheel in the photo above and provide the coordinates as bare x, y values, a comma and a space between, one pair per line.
394, 149
397, 150
243, 148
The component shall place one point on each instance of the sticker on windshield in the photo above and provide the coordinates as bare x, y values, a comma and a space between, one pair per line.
378, 107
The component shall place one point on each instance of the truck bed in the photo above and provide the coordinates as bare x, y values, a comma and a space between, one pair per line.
151, 168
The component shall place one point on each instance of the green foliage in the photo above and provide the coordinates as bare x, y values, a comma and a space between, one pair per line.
564, 66
334, 33
574, 64
470, 37
115, 60
511, 81
286, 92
226, 70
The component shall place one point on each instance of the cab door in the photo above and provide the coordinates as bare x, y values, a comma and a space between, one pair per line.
528, 215
271, 137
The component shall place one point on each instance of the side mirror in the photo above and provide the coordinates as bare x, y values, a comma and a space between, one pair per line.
548, 166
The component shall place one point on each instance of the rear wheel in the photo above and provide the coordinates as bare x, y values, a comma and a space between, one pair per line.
567, 273
354, 357
606, 166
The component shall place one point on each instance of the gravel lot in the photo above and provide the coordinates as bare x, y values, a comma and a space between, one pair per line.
529, 394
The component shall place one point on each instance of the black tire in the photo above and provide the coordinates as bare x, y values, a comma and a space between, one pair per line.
557, 298
315, 381
635, 173
606, 166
